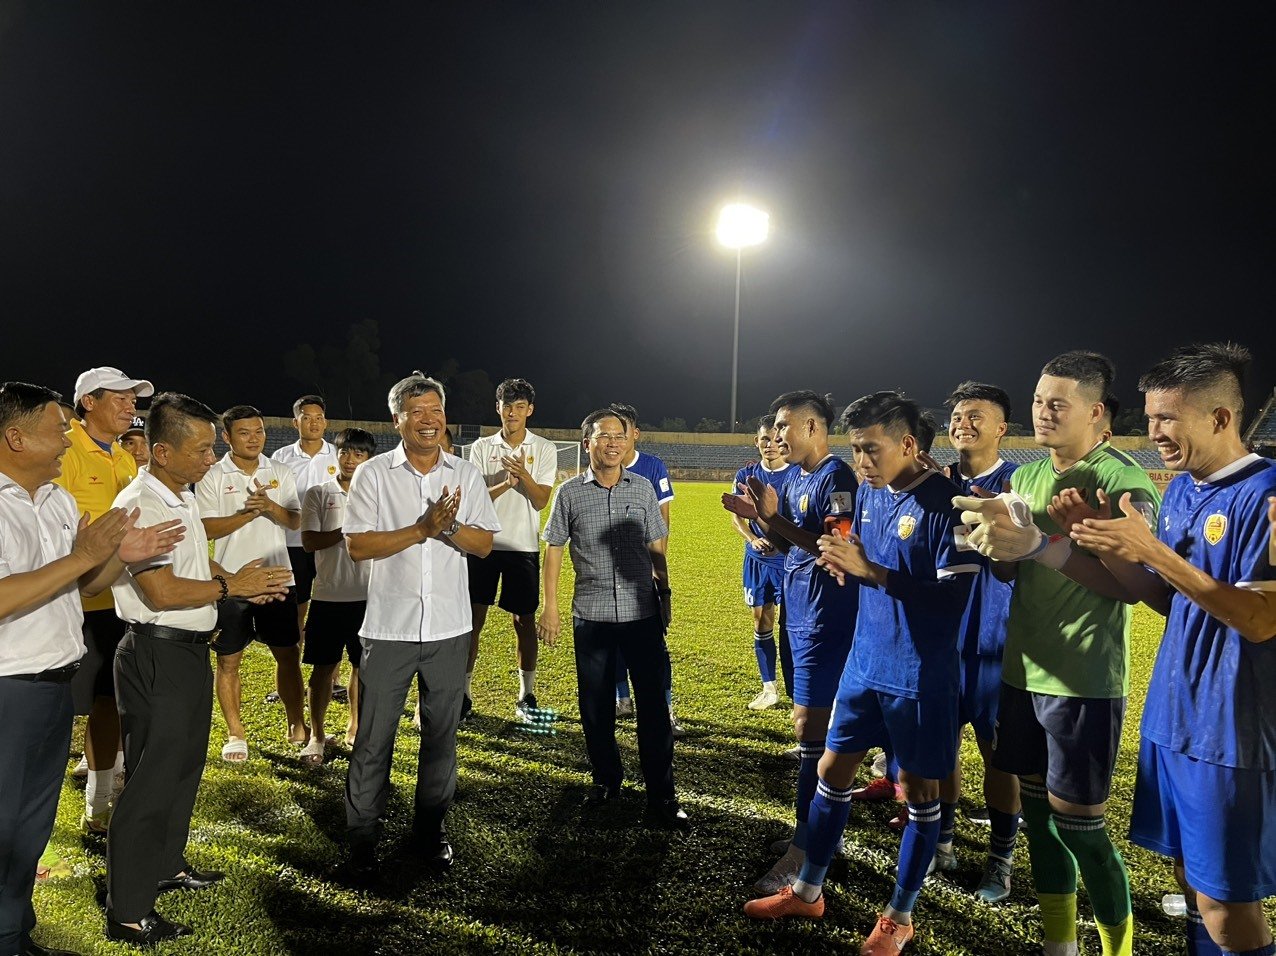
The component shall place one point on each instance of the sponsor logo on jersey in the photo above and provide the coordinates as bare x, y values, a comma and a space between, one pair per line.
864, 518
1215, 528
664, 484
907, 525
803, 502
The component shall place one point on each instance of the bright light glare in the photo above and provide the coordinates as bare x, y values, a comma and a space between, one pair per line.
741, 225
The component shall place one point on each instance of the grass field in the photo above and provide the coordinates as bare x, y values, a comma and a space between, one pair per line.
531, 877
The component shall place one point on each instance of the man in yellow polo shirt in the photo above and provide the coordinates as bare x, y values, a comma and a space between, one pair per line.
94, 470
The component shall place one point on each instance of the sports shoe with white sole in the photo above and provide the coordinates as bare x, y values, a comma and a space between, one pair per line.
994, 885
675, 726
783, 874
887, 939
81, 769
878, 769
765, 700
944, 860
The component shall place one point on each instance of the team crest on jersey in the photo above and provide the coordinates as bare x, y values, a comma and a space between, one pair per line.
531, 459
1215, 528
274, 482
332, 469
803, 502
907, 525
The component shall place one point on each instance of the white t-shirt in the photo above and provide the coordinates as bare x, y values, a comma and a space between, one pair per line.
307, 472
224, 490
520, 522
189, 560
337, 578
34, 533
422, 593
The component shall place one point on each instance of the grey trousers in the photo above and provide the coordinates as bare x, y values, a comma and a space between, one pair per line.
387, 670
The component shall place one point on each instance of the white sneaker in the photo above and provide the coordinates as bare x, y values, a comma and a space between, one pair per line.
783, 874
675, 726
879, 765
81, 771
624, 706
765, 700
944, 861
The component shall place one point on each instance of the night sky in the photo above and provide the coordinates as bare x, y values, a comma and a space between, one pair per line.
956, 190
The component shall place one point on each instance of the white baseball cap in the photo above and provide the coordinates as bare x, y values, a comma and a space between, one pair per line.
111, 379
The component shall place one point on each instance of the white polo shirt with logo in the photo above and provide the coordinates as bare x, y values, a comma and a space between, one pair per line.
33, 533
520, 521
223, 492
307, 472
189, 559
337, 578
423, 592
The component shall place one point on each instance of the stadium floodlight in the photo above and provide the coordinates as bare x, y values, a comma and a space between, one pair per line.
739, 227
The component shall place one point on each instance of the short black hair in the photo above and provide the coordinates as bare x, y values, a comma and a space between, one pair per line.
766, 423
169, 420
237, 413
80, 410
971, 391
21, 402
1111, 407
1200, 367
597, 415
356, 439
927, 428
516, 389
1092, 371
626, 413
896, 414
822, 405
305, 400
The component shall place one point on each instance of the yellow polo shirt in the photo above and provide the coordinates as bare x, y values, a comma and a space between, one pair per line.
94, 478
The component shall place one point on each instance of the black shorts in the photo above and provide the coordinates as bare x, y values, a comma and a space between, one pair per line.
303, 572
96, 676
240, 622
520, 575
333, 627
1070, 742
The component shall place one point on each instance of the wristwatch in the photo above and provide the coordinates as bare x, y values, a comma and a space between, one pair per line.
452, 529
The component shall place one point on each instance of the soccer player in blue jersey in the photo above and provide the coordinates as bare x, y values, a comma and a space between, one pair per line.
978, 422
1206, 788
763, 571
654, 470
820, 614
899, 687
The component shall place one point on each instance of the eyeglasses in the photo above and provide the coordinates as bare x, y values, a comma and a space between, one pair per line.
610, 438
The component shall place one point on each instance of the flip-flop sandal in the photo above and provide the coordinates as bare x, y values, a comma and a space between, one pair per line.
235, 750
312, 754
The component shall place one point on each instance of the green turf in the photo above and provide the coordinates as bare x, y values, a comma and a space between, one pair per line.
531, 877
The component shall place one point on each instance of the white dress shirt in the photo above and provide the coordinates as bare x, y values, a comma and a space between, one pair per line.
423, 592
222, 493
337, 578
189, 560
520, 522
34, 533
307, 471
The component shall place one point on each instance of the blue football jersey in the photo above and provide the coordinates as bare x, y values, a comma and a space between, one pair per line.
907, 646
1210, 694
983, 631
777, 480
654, 470
813, 599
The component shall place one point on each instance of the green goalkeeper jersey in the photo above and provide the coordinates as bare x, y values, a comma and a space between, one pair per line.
1062, 638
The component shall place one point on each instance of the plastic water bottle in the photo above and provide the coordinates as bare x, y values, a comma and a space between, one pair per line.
1174, 904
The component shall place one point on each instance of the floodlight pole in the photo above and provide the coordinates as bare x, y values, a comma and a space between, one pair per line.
735, 339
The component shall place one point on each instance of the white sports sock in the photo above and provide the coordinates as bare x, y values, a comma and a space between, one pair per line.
769, 685
97, 791
526, 683
119, 761
469, 684
807, 892
903, 919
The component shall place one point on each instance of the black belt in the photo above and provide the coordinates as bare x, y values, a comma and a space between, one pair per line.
179, 634
56, 675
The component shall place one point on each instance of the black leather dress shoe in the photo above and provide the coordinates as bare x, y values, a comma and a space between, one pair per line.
434, 847
361, 867
597, 795
667, 815
35, 949
154, 929
192, 879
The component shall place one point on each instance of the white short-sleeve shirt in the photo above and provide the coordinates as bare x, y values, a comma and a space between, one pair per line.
33, 533
307, 471
423, 592
337, 578
222, 493
520, 521
189, 560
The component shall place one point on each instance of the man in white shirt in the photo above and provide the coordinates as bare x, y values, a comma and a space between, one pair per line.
414, 513
519, 468
312, 461
247, 501
340, 596
49, 557
163, 684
